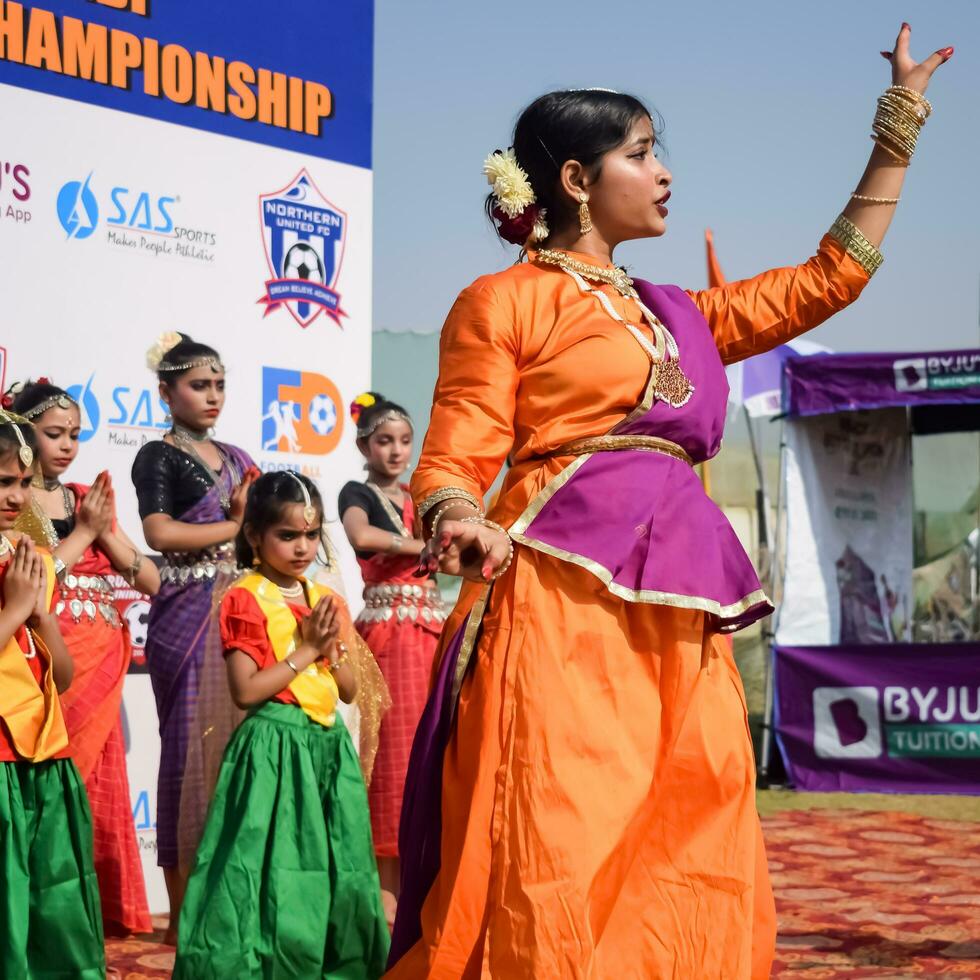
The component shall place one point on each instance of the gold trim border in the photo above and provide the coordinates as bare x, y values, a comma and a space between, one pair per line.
473, 622
606, 576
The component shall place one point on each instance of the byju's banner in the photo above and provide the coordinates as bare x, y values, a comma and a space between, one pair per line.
900, 718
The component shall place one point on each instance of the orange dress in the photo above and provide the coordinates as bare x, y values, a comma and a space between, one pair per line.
598, 806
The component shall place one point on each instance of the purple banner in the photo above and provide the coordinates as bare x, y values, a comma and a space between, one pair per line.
822, 383
894, 718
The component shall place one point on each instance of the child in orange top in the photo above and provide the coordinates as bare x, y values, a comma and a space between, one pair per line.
50, 919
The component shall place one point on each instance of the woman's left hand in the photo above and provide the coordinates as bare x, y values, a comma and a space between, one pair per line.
913, 74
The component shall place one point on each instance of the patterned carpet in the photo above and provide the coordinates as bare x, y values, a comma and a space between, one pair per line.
886, 895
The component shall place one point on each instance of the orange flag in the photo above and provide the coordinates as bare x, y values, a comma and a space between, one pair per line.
715, 276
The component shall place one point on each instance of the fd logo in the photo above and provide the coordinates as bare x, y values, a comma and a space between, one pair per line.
301, 412
304, 236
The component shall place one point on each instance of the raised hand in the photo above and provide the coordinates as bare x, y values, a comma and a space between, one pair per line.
239, 496
96, 511
321, 628
913, 74
24, 579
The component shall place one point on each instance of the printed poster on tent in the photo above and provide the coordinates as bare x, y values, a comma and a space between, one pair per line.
848, 484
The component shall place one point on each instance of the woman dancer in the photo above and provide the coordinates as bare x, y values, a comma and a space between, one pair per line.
402, 616
77, 523
285, 882
192, 492
585, 748
49, 916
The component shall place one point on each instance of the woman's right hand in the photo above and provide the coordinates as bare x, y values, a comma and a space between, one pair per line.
96, 512
473, 551
24, 579
322, 627
239, 496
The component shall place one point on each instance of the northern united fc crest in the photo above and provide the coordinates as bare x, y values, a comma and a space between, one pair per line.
304, 236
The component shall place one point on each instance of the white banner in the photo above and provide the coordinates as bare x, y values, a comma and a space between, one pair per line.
115, 227
848, 485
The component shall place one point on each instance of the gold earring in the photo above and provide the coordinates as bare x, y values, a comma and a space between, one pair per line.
256, 561
584, 217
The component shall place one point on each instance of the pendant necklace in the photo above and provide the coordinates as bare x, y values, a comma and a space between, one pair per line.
671, 385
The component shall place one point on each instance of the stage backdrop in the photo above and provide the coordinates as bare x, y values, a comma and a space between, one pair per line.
203, 167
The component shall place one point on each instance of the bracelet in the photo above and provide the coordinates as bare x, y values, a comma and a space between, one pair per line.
447, 493
291, 665
396, 543
343, 658
483, 522
874, 200
134, 568
856, 245
434, 526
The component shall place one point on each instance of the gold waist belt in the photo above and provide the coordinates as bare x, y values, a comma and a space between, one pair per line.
605, 444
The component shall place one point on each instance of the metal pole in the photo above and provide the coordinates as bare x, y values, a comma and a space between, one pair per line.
768, 634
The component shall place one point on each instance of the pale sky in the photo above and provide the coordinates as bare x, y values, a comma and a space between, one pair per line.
767, 107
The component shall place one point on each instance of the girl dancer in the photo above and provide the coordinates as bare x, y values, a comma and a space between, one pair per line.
403, 613
77, 524
285, 883
191, 491
50, 923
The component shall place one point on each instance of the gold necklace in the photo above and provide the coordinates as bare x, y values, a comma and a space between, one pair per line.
616, 277
670, 384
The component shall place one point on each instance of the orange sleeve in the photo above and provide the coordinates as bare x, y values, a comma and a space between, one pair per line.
754, 315
243, 627
471, 429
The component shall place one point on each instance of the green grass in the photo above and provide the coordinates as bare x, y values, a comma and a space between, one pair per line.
772, 801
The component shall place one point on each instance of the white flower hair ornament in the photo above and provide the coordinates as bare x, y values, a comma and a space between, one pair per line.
520, 218
164, 343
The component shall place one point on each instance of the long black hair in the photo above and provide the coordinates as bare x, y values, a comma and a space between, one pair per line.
268, 496
577, 124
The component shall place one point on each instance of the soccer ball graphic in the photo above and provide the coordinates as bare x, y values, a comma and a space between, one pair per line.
323, 415
302, 262
137, 616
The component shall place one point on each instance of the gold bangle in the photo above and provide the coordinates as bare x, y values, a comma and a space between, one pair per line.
447, 493
494, 526
874, 200
900, 160
434, 526
343, 658
856, 245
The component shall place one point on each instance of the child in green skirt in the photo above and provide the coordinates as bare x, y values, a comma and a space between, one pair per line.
50, 913
285, 884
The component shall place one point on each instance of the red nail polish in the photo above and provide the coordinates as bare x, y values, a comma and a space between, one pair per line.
906, 26
947, 53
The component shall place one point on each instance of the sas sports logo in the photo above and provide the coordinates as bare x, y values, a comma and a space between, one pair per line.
78, 210
302, 412
304, 236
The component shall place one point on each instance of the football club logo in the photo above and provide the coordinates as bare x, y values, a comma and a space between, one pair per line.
304, 237
301, 412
